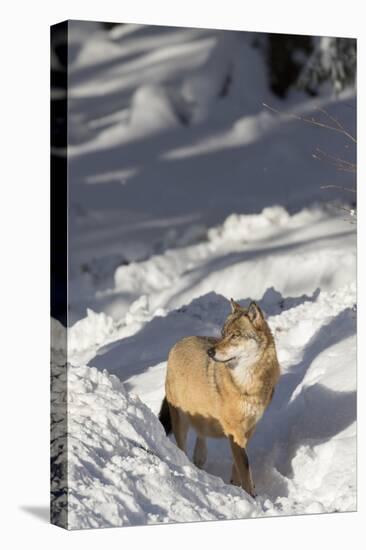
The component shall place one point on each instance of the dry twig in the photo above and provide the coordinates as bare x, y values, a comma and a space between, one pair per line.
336, 128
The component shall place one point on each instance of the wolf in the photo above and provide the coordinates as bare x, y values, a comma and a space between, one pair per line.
221, 387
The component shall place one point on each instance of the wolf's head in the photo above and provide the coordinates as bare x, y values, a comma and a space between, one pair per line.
245, 335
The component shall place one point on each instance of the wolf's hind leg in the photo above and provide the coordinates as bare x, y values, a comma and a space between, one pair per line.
180, 426
200, 451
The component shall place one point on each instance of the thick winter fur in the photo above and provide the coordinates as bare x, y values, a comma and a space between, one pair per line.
222, 386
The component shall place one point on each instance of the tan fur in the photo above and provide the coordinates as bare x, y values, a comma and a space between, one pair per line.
224, 395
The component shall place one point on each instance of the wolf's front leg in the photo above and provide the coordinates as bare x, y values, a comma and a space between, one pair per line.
235, 478
242, 468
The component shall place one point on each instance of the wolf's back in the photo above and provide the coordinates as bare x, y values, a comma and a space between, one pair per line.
187, 384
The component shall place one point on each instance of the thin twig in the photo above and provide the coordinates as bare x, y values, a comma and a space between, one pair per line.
337, 159
341, 164
314, 122
352, 212
350, 106
331, 117
338, 187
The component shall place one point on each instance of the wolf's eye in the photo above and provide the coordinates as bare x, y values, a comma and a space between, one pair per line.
236, 335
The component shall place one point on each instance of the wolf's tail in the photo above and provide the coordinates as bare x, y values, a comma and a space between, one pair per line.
164, 416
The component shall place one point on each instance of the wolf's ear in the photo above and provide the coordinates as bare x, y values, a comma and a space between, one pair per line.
255, 314
234, 306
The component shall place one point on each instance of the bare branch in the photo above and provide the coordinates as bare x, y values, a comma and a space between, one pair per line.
350, 106
338, 187
352, 212
339, 163
331, 117
337, 128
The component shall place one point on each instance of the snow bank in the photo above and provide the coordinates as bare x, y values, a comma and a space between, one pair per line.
237, 227
124, 471
253, 252
313, 461
90, 331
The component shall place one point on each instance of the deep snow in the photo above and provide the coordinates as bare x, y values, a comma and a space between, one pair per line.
184, 192
124, 471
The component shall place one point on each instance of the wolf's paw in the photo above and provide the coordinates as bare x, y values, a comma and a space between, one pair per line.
253, 493
199, 461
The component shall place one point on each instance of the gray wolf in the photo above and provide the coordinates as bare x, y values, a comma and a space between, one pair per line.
221, 387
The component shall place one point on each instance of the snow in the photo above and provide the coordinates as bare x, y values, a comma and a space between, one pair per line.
185, 192
122, 470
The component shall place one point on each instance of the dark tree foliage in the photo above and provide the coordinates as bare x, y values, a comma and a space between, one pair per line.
286, 56
309, 63
332, 63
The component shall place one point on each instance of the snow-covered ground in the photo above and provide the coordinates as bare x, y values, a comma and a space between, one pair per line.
184, 192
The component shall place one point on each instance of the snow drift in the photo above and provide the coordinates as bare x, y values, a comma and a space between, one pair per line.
122, 469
